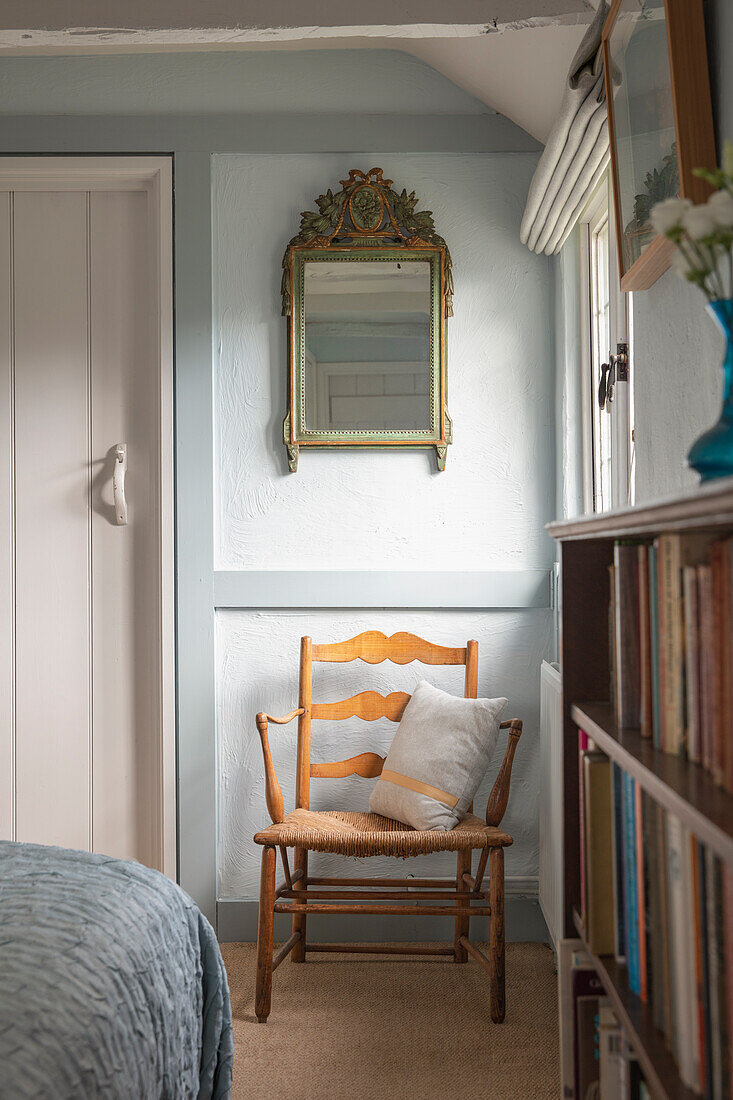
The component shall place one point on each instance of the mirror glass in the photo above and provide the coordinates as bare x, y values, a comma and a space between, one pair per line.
643, 116
367, 345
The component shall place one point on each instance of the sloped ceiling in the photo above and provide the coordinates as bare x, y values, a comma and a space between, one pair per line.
512, 55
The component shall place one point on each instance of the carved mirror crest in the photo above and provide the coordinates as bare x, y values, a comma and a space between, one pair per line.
367, 288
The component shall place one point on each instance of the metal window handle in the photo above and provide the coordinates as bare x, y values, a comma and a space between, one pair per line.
118, 484
615, 370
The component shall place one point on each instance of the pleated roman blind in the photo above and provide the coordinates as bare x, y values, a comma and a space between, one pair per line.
577, 151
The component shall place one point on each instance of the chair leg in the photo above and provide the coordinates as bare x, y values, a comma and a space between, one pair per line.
300, 862
497, 1001
263, 991
462, 924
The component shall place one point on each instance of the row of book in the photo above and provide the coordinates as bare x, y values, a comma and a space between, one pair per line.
671, 619
663, 905
597, 1061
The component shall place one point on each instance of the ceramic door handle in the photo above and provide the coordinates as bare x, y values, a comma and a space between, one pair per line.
118, 484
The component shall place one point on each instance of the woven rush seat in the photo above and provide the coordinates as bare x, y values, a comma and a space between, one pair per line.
350, 833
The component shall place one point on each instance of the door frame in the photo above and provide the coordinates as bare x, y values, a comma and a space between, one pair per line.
153, 175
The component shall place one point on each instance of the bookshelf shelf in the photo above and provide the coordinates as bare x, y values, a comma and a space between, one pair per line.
707, 508
656, 1060
684, 789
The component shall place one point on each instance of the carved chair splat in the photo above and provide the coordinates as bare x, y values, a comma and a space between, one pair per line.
362, 834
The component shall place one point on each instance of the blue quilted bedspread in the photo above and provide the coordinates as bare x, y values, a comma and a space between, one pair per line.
111, 983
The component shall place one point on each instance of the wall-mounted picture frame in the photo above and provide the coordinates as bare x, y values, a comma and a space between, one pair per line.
660, 122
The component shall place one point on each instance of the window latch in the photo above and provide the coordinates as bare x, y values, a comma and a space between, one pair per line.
615, 370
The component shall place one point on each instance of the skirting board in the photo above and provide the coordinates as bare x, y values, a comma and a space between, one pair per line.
237, 923
275, 588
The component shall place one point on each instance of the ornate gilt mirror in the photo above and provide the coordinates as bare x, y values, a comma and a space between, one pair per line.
367, 288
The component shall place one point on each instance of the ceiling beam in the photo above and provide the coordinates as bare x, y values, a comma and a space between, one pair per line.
71, 25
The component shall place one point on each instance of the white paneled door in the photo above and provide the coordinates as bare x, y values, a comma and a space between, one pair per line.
86, 599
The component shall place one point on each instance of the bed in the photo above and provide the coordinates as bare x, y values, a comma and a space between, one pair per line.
111, 983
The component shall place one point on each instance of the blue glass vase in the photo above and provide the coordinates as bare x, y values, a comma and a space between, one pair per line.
712, 454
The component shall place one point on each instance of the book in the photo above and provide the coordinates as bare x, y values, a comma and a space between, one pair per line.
569, 955
671, 644
630, 1075
654, 632
653, 917
626, 634
641, 910
618, 863
728, 662
630, 887
716, 975
663, 1002
708, 670
689, 1055
587, 990
692, 663
583, 742
678, 959
646, 703
699, 963
609, 1054
724, 930
588, 1065
599, 910
720, 731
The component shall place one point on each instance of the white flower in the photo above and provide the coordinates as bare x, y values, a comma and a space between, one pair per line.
668, 215
698, 222
720, 207
680, 264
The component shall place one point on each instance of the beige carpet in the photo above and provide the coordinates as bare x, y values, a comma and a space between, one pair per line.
389, 1028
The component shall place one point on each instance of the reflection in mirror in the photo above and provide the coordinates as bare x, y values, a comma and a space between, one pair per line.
643, 112
367, 345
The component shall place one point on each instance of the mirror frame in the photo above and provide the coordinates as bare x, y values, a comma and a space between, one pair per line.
387, 229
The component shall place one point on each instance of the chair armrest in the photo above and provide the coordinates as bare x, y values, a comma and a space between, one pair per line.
273, 794
499, 796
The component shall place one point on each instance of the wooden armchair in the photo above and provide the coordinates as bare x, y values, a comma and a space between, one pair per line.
367, 834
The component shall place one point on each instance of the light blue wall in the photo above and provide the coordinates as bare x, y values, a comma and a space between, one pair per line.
194, 105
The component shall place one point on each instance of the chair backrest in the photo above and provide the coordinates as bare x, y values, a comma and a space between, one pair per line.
373, 647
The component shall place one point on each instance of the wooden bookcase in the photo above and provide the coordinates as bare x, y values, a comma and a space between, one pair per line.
687, 790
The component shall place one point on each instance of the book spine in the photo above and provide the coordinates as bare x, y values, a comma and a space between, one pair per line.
726, 656
690, 1057
706, 610
641, 909
618, 862
692, 663
653, 921
699, 988
678, 943
654, 632
671, 640
582, 749
724, 932
628, 680
598, 917
646, 718
712, 889
720, 732
630, 888
667, 1017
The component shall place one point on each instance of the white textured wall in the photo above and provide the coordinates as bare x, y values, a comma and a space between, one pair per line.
257, 656
378, 509
381, 509
677, 351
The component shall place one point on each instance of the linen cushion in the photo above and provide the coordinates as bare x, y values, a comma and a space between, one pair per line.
438, 757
